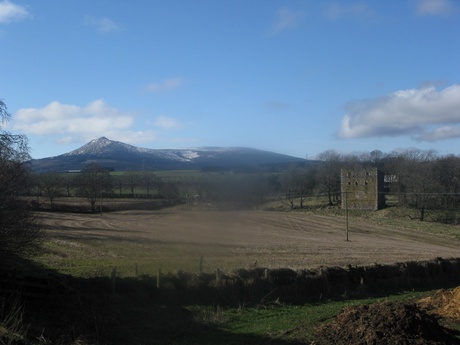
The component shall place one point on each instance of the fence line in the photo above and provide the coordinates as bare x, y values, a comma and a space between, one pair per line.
261, 284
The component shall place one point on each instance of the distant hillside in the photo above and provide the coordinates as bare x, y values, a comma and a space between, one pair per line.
124, 157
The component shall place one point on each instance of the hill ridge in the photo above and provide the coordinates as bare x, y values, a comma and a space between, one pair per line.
120, 156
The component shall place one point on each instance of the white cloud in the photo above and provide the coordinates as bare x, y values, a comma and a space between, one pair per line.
71, 123
286, 19
425, 114
337, 10
435, 7
441, 133
102, 24
10, 12
165, 85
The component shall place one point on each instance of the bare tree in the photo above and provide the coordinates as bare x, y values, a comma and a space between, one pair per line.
149, 181
329, 173
297, 183
169, 190
417, 180
13, 147
119, 182
185, 188
92, 183
68, 183
290, 186
308, 182
50, 183
131, 179
448, 174
424, 186
20, 232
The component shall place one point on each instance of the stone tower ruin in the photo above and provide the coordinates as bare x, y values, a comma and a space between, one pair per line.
362, 189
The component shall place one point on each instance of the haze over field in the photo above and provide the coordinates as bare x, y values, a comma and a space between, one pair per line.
296, 78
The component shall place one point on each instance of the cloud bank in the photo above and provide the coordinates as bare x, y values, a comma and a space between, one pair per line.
72, 124
424, 114
10, 12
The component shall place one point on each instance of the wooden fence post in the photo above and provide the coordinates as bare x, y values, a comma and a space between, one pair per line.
201, 265
114, 279
266, 273
158, 278
218, 276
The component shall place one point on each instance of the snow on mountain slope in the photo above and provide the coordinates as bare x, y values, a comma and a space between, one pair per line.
101, 146
124, 157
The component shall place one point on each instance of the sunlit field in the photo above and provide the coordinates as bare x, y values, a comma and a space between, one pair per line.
194, 238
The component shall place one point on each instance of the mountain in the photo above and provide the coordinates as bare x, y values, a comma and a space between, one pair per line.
119, 156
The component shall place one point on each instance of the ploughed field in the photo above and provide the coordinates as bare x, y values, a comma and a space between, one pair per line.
140, 242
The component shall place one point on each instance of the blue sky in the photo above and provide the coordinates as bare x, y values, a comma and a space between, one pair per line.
297, 77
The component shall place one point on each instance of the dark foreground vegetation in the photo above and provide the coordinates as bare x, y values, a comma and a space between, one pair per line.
186, 308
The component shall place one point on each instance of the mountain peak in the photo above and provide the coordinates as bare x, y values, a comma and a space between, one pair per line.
101, 139
102, 145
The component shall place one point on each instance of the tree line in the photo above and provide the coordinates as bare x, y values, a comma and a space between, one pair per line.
418, 179
96, 182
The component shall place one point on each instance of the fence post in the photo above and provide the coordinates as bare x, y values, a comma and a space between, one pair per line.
158, 278
218, 276
114, 279
266, 274
346, 210
201, 265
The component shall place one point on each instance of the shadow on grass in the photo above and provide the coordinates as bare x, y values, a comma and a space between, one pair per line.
127, 311
95, 311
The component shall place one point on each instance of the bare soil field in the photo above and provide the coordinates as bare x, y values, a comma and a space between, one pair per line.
176, 238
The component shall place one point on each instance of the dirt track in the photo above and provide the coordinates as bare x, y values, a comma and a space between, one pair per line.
235, 239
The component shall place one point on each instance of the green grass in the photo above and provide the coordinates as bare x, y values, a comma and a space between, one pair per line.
280, 324
82, 260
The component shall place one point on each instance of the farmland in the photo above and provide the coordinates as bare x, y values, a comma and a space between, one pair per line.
177, 238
